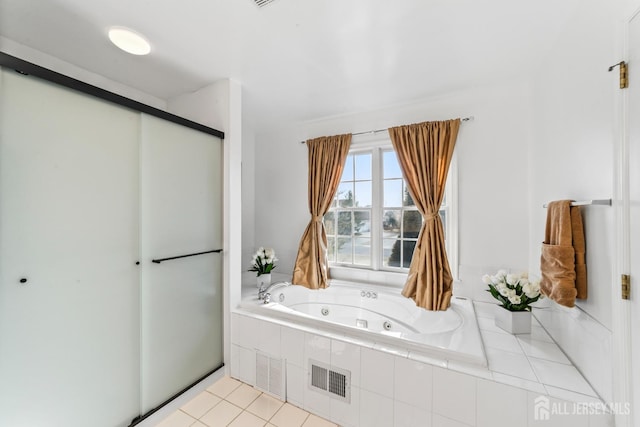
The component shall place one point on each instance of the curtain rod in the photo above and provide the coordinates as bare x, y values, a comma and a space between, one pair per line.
466, 119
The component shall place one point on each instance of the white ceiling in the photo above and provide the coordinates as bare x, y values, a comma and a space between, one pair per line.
298, 59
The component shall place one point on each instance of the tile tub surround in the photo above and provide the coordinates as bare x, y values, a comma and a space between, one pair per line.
396, 387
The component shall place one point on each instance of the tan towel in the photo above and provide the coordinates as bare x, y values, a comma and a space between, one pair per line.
562, 264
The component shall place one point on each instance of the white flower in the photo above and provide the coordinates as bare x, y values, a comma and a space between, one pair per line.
515, 299
501, 273
530, 291
510, 293
502, 288
524, 275
512, 279
496, 280
486, 279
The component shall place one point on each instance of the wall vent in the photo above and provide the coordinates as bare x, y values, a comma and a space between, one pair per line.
262, 3
331, 381
270, 375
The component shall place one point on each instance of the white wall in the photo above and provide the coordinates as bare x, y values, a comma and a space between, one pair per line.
492, 156
572, 157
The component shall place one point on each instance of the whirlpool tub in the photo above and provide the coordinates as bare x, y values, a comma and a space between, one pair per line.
381, 316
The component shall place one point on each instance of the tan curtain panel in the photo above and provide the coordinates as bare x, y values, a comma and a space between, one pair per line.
327, 156
424, 152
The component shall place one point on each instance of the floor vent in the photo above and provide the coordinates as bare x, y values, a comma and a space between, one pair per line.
332, 381
262, 3
270, 375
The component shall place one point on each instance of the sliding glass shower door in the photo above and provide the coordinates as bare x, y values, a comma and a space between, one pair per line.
181, 298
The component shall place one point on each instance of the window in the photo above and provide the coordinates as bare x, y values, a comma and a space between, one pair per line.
373, 221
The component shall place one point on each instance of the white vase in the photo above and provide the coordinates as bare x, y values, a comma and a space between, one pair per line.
263, 280
514, 322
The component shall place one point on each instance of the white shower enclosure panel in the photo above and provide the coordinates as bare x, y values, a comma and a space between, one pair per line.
69, 294
181, 199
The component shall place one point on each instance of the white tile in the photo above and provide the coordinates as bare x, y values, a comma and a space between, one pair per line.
471, 369
296, 382
489, 324
346, 414
376, 372
505, 411
292, 343
484, 309
318, 403
545, 411
223, 387
543, 350
235, 361
561, 376
200, 404
393, 350
269, 338
247, 358
177, 419
434, 361
440, 421
537, 333
346, 356
453, 391
198, 424
221, 414
243, 396
534, 386
247, 419
289, 416
265, 406
601, 420
244, 331
572, 396
516, 365
505, 342
317, 348
315, 421
413, 383
409, 416
375, 410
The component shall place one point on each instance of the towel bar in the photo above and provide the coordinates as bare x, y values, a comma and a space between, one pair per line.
602, 202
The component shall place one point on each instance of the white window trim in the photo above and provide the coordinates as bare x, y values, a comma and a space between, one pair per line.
375, 275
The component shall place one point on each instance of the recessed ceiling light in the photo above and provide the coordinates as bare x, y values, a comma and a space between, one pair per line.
129, 41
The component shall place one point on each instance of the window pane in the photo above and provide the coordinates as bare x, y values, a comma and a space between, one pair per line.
330, 223
362, 251
390, 165
362, 223
443, 217
407, 252
345, 194
363, 167
344, 223
387, 249
393, 193
407, 200
363, 194
344, 249
347, 174
331, 249
390, 223
411, 224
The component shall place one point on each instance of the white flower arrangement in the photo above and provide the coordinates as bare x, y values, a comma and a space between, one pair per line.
263, 261
514, 291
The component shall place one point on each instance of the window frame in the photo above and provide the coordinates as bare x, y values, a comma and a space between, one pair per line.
377, 272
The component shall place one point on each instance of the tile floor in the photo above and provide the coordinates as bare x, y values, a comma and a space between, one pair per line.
229, 402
